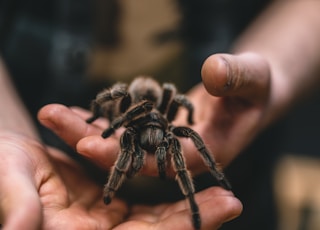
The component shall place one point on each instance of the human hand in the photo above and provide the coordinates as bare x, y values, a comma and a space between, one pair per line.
232, 105
43, 188
70, 125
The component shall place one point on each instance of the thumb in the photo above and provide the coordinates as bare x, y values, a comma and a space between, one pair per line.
246, 75
20, 207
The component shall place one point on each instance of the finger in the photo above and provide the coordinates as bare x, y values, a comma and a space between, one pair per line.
19, 211
102, 152
20, 206
216, 206
220, 203
245, 75
85, 114
66, 123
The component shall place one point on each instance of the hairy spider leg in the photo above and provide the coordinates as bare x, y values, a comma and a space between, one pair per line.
184, 179
137, 155
161, 157
206, 155
169, 91
122, 165
95, 108
180, 100
116, 92
136, 111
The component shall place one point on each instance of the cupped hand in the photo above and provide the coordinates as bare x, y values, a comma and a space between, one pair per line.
42, 188
216, 205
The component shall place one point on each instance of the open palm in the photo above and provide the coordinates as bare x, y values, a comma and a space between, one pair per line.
42, 187
46, 189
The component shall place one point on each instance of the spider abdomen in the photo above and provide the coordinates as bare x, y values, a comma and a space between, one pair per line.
150, 138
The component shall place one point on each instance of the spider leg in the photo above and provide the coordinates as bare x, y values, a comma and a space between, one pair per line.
206, 155
122, 165
118, 91
161, 156
137, 154
180, 100
169, 91
184, 179
136, 111
95, 108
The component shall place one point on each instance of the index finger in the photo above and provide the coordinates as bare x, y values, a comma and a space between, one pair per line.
69, 124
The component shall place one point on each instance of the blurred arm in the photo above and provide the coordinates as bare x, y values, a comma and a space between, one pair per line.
287, 34
13, 114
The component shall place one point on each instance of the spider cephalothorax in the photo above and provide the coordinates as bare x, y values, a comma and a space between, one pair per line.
146, 110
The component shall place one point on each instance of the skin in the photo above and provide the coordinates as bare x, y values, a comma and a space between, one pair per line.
55, 192
274, 64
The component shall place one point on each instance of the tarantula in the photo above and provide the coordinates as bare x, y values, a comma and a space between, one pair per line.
146, 110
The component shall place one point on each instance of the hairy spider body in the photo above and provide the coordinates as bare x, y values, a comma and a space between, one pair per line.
146, 111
